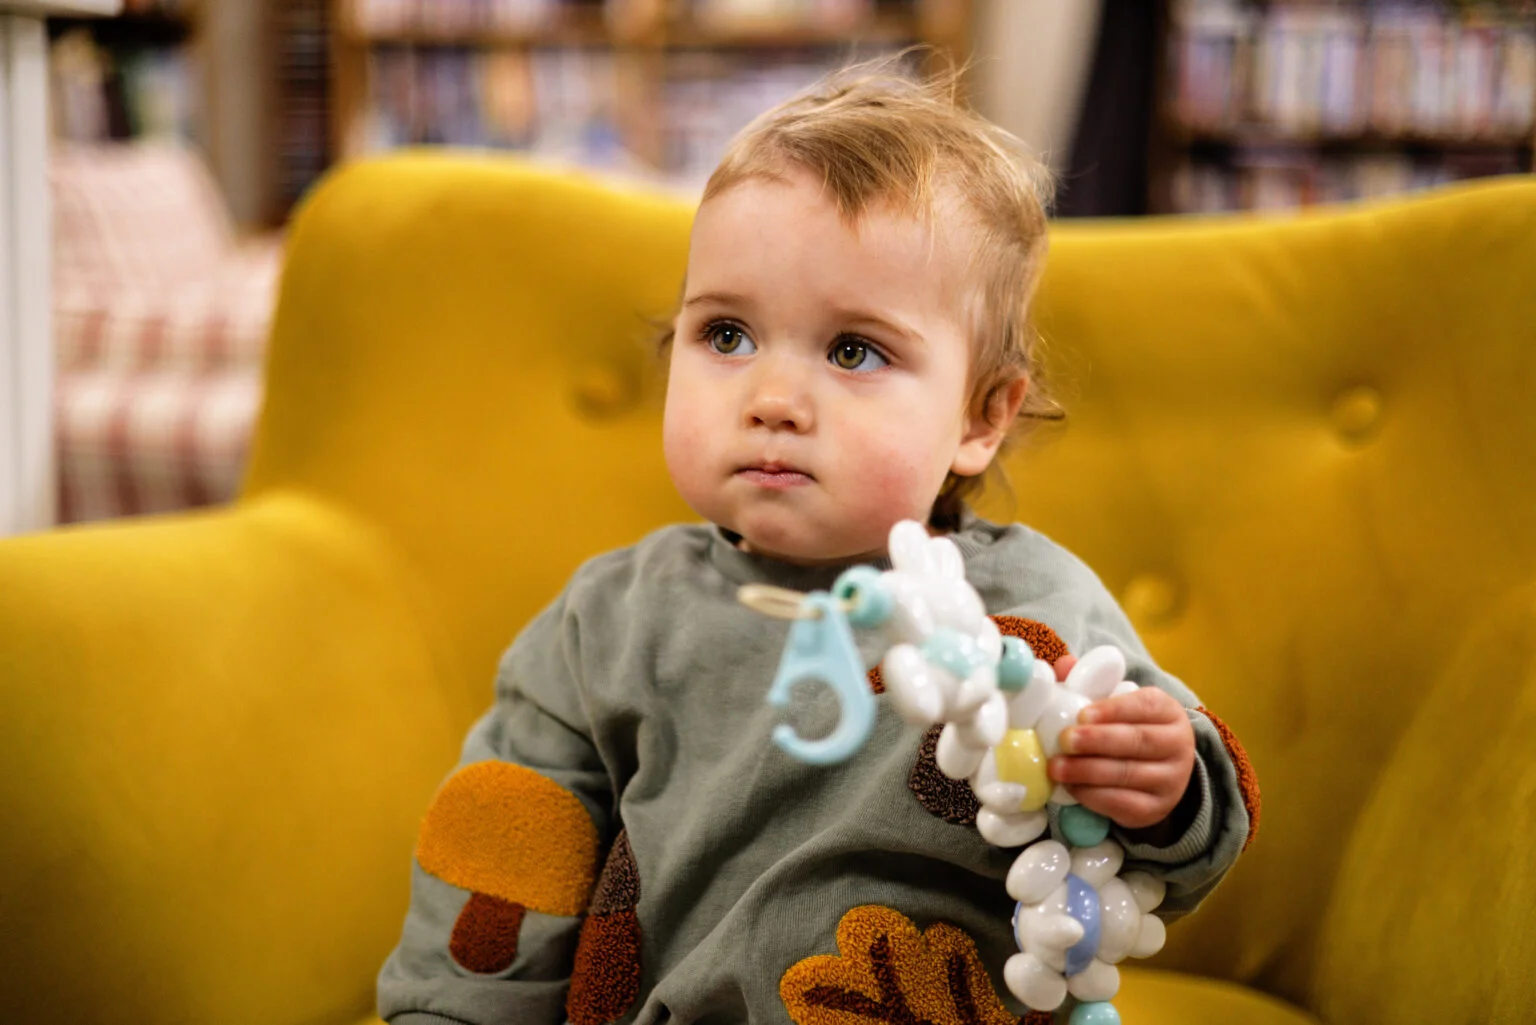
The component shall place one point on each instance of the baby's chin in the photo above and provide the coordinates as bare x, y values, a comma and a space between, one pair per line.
807, 544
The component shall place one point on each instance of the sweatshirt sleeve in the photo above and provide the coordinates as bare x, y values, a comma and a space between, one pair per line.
1195, 862
508, 851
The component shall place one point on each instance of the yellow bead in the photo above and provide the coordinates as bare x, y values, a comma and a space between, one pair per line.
1021, 759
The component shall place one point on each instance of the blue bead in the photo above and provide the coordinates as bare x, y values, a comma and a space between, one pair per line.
954, 651
1081, 827
1083, 905
1017, 665
1099, 1012
872, 603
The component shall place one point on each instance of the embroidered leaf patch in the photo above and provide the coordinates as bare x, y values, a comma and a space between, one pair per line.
888, 971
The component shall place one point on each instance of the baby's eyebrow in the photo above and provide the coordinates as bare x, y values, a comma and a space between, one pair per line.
863, 318
717, 299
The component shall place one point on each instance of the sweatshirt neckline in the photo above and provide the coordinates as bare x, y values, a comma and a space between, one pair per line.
974, 536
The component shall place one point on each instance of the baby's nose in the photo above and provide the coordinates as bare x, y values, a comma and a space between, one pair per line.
779, 400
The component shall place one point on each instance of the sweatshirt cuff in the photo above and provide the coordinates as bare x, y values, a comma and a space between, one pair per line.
1196, 839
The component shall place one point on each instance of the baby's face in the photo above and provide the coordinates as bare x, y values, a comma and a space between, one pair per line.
818, 382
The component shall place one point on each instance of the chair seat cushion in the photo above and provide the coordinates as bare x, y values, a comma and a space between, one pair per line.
1169, 998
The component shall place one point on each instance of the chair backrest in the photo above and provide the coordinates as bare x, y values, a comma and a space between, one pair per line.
1299, 449
142, 216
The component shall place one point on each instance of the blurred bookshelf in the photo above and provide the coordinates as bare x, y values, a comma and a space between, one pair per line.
1276, 105
652, 88
134, 75
301, 122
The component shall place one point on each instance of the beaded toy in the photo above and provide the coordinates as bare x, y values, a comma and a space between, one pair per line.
1002, 712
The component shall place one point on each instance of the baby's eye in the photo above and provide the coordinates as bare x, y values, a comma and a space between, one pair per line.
729, 340
856, 354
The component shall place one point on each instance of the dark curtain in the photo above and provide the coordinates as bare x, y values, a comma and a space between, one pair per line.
1109, 172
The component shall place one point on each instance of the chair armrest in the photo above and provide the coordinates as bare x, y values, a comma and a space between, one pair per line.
220, 732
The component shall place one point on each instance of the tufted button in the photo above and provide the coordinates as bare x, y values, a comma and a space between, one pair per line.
1152, 601
604, 391
1356, 414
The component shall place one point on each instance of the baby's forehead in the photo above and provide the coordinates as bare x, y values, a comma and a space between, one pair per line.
939, 229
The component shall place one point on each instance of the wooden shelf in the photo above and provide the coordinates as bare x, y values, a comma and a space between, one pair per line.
593, 30
571, 29
56, 8
886, 28
1258, 136
140, 29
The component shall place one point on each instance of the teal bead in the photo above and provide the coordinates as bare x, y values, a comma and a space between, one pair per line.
1081, 827
1099, 1012
953, 650
1017, 665
871, 602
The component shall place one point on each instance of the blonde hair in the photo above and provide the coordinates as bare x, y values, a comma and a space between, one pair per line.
876, 135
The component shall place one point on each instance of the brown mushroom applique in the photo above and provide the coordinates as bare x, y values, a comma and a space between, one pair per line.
886, 970
516, 840
952, 799
605, 979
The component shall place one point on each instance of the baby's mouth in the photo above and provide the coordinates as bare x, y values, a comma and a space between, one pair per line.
774, 475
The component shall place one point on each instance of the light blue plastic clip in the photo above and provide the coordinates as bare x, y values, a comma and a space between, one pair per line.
822, 648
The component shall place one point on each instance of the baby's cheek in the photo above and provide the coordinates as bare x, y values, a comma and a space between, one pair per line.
891, 480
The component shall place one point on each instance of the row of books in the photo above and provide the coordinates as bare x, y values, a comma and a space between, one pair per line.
168, 8
98, 93
567, 103
302, 58
1277, 181
1420, 70
450, 17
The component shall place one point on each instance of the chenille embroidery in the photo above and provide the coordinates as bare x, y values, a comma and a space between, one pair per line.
888, 971
605, 980
1247, 779
516, 840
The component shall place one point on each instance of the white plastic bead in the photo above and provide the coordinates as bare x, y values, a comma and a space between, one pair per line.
1151, 938
1148, 889
912, 684
1098, 864
1010, 830
1119, 921
1099, 981
955, 758
1097, 673
1034, 983
1038, 870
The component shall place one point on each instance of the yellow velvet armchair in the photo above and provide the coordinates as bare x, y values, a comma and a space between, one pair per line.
1303, 451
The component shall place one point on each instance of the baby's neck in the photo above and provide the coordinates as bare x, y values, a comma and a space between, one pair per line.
743, 545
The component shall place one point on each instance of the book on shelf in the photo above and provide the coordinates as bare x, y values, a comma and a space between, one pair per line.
302, 60
566, 103
1284, 178
1388, 70
451, 18
121, 92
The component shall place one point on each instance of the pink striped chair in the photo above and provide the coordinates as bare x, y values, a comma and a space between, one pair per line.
160, 324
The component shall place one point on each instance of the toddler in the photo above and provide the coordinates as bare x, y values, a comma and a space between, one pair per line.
622, 840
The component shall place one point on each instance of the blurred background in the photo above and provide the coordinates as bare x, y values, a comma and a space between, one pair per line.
183, 132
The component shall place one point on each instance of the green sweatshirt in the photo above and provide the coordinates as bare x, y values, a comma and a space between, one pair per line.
641, 691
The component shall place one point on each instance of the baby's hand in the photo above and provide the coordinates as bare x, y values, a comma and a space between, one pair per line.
1131, 757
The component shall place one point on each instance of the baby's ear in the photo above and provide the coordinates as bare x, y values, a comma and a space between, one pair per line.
987, 426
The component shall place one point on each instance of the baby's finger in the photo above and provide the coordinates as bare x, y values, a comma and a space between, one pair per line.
1111, 772
1063, 666
1129, 809
1144, 705
1140, 741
